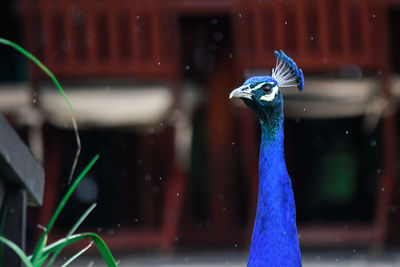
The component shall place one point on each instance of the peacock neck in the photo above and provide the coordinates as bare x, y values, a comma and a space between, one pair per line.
274, 241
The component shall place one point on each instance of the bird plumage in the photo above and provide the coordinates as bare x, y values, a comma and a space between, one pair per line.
286, 72
274, 241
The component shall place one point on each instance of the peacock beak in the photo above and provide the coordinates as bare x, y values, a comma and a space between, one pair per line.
243, 91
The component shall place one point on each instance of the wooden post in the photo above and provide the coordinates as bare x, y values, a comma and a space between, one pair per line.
14, 208
21, 180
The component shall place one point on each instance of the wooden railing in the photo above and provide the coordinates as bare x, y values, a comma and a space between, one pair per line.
320, 34
97, 38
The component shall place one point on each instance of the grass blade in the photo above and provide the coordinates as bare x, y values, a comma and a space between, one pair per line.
77, 255
42, 260
81, 219
101, 246
37, 254
72, 231
17, 251
3, 222
58, 85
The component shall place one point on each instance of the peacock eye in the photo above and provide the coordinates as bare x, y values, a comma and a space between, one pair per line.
266, 89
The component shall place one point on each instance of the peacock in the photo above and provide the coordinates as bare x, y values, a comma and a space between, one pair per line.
274, 241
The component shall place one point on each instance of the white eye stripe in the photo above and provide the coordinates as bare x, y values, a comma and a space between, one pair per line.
258, 86
272, 95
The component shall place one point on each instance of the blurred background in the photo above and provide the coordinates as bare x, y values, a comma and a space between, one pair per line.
149, 82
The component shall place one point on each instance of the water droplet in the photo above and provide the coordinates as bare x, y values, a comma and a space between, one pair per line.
137, 17
187, 67
383, 189
374, 15
230, 56
372, 142
214, 21
118, 225
159, 178
304, 109
34, 100
236, 245
311, 38
212, 47
98, 229
337, 259
347, 132
155, 190
285, 22
378, 171
147, 177
240, 15
393, 209
136, 220
158, 63
177, 194
88, 190
233, 143
218, 36
354, 250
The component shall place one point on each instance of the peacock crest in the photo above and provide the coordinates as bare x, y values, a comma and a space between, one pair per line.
286, 72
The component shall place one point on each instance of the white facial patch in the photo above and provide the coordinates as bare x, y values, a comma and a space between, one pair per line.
258, 86
271, 96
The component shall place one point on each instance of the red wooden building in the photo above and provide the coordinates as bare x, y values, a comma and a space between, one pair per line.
143, 43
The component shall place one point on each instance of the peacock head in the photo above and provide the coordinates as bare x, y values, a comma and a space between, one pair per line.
259, 93
262, 93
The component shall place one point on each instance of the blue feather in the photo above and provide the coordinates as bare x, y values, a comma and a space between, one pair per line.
286, 72
274, 241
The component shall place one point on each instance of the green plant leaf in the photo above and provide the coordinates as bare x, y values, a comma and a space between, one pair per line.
58, 85
71, 232
17, 251
37, 254
42, 260
101, 246
3, 222
81, 219
77, 255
